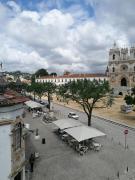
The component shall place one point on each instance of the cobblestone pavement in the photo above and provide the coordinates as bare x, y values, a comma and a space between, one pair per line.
58, 161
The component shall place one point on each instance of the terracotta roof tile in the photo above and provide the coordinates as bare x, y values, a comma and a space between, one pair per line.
73, 76
11, 97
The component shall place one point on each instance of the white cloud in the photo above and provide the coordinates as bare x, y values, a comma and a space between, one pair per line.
66, 39
14, 6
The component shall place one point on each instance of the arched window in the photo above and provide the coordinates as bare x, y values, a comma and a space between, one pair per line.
123, 82
113, 69
113, 56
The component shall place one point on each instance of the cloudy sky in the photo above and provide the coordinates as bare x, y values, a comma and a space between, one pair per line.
58, 35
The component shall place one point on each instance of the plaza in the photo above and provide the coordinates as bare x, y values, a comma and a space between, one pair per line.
58, 161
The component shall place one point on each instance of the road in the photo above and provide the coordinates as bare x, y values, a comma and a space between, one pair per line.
113, 131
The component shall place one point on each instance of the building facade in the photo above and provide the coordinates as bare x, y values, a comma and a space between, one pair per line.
12, 143
121, 69
59, 80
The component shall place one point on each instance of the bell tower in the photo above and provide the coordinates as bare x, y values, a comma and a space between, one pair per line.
121, 69
114, 53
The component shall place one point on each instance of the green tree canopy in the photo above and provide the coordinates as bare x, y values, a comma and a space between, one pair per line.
129, 99
41, 72
49, 89
86, 93
53, 74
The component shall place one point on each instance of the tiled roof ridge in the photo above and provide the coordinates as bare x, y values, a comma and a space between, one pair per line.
11, 97
74, 76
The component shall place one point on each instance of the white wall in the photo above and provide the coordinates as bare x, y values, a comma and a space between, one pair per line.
5, 152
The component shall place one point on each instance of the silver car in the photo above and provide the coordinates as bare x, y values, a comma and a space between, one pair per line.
73, 115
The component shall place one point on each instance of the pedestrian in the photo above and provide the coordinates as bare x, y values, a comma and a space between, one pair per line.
31, 161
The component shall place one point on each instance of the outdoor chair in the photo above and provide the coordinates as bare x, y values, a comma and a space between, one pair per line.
34, 115
83, 150
64, 137
97, 146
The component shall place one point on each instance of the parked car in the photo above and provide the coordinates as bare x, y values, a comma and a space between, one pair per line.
73, 115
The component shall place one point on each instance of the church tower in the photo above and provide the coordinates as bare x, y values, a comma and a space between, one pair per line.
121, 69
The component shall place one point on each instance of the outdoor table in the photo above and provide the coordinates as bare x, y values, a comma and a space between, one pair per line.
65, 135
96, 144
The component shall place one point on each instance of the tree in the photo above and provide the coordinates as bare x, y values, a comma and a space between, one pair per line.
39, 90
49, 89
86, 93
41, 72
31, 89
33, 78
12, 85
53, 74
129, 100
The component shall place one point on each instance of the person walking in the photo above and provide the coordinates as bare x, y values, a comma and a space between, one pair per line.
31, 161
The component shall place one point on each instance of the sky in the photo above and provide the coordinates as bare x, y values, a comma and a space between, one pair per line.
63, 35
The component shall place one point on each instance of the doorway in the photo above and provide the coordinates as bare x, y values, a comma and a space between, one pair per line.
123, 82
120, 93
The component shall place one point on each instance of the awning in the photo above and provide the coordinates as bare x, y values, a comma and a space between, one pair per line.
33, 104
67, 123
82, 133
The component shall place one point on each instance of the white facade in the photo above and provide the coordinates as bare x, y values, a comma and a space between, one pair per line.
12, 160
59, 80
5, 152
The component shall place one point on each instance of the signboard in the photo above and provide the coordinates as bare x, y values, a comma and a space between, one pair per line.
126, 131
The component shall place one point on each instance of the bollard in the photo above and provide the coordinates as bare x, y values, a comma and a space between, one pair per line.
118, 174
43, 141
127, 168
37, 132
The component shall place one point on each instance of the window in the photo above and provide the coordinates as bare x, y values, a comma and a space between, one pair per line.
17, 132
113, 69
113, 56
134, 68
134, 54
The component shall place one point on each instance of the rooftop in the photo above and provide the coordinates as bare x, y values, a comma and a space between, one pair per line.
73, 76
10, 97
